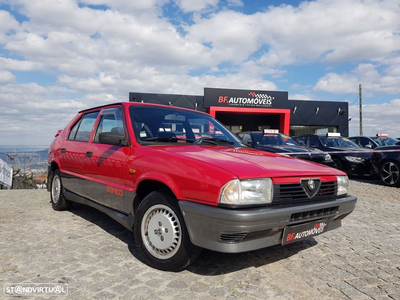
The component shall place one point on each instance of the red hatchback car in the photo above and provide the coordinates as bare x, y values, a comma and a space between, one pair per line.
181, 182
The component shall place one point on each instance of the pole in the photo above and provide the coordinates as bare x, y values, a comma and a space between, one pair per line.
360, 95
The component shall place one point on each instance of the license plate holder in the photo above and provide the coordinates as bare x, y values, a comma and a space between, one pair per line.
296, 233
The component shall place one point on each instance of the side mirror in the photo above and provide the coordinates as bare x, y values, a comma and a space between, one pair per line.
111, 138
368, 146
314, 145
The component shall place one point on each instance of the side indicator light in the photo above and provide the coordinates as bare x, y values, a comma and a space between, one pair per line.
132, 171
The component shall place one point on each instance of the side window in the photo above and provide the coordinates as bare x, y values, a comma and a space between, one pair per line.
82, 129
354, 140
110, 121
72, 133
247, 139
364, 142
313, 142
301, 140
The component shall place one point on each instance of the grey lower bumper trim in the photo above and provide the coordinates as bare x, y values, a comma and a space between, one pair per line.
205, 223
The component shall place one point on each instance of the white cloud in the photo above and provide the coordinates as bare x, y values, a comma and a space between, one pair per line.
300, 97
6, 77
136, 6
197, 5
235, 3
7, 22
366, 74
377, 118
233, 36
18, 65
335, 83
97, 56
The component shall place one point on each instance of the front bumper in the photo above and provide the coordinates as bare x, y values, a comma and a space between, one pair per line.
353, 168
240, 230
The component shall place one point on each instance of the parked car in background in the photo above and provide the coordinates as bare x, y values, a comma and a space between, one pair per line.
182, 182
346, 155
272, 140
386, 164
381, 139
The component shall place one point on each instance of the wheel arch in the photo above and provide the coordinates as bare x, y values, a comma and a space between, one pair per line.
52, 167
149, 185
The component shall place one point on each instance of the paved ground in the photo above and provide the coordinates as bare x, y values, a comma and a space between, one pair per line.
97, 257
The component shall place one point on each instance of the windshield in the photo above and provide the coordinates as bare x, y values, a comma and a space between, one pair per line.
338, 142
385, 141
273, 139
155, 125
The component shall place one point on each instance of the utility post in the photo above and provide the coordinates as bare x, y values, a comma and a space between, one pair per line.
360, 95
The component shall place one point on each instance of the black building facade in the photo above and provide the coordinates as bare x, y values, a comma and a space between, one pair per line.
244, 110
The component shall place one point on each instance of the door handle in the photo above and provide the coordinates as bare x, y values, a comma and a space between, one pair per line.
88, 154
63, 150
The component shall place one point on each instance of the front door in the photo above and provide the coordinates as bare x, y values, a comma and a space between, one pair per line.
105, 165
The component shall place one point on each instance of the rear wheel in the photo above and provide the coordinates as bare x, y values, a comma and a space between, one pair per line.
161, 235
390, 173
58, 201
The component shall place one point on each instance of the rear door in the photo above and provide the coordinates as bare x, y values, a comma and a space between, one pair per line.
72, 153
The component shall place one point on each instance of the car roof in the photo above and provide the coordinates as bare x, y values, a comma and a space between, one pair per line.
256, 131
319, 135
142, 104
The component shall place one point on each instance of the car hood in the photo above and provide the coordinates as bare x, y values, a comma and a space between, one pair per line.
349, 149
248, 162
362, 152
392, 147
287, 149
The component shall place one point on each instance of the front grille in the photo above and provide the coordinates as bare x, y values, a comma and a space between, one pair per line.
294, 193
234, 237
305, 215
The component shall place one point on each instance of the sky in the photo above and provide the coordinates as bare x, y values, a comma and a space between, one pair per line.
61, 56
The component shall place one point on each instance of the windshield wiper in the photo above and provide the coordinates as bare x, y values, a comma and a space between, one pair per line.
167, 139
213, 141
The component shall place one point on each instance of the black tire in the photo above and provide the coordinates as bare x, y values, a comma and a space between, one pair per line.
58, 201
161, 235
389, 173
337, 163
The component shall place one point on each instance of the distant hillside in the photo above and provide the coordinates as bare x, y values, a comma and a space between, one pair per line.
25, 157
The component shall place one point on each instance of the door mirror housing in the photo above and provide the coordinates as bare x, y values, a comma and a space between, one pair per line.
111, 138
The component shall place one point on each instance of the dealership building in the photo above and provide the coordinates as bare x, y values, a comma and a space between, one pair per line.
249, 110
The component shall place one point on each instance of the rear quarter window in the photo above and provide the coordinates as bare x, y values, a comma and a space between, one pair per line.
82, 129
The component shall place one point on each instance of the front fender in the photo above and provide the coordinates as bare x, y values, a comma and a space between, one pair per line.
163, 178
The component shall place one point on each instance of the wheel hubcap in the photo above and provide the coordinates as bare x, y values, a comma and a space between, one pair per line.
55, 189
390, 173
161, 231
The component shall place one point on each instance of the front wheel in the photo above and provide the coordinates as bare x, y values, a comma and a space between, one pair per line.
58, 201
337, 164
390, 173
161, 235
